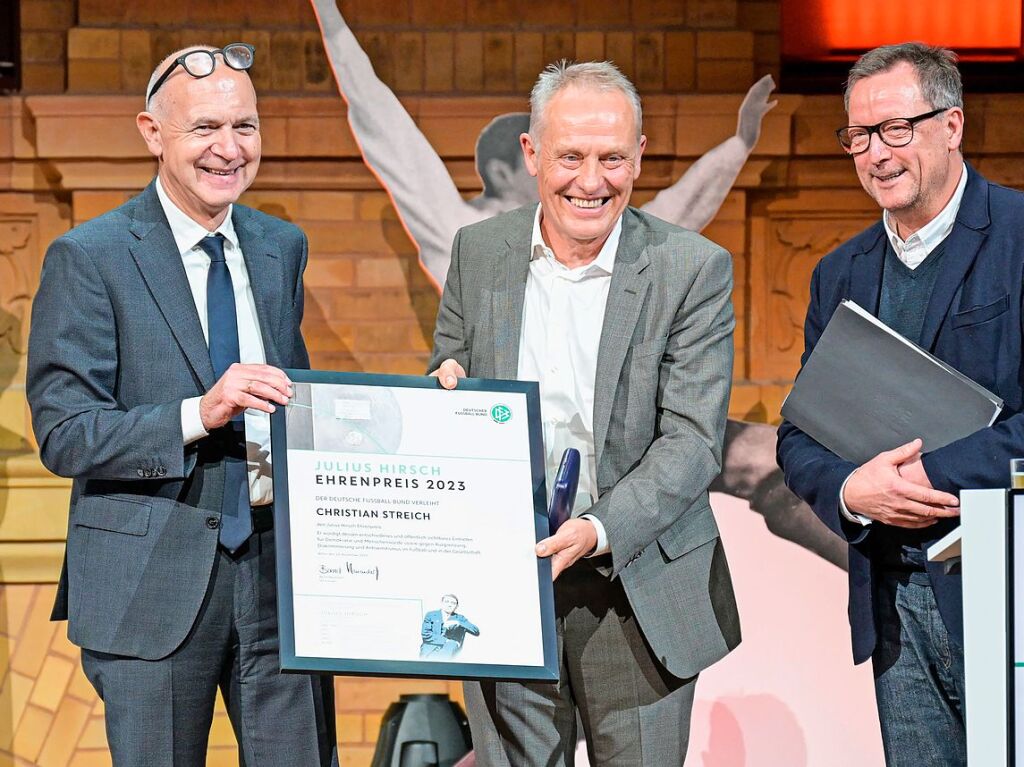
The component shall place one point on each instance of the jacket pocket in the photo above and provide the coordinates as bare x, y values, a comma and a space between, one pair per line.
112, 513
692, 530
979, 314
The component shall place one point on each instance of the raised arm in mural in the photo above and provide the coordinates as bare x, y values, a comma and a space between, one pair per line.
693, 200
427, 199
394, 148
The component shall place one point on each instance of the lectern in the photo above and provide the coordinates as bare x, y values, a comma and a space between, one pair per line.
990, 547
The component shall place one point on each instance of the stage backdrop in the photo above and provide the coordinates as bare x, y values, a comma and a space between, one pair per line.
69, 151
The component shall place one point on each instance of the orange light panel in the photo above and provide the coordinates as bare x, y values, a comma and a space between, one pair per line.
816, 27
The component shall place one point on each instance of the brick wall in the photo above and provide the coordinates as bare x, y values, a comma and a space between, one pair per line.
44, 28
430, 46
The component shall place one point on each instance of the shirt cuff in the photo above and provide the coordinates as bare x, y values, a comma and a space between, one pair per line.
602, 537
191, 421
858, 519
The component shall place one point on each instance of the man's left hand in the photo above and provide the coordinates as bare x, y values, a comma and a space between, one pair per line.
575, 538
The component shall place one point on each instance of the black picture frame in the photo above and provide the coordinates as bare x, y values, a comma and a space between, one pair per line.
448, 669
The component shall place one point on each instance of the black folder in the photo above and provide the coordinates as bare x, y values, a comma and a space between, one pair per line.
866, 389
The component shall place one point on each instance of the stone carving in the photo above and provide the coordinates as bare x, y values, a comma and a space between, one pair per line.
792, 248
16, 283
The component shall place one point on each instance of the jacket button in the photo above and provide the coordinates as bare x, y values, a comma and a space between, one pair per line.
212, 522
140, 472
161, 471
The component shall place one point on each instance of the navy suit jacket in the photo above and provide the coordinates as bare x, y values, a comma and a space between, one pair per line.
973, 322
115, 347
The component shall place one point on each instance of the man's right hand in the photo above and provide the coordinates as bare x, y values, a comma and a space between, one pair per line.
242, 387
449, 373
877, 491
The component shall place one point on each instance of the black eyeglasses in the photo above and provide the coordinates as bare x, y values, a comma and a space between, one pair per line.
201, 62
896, 132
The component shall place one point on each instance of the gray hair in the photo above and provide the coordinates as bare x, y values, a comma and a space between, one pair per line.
596, 75
936, 71
153, 103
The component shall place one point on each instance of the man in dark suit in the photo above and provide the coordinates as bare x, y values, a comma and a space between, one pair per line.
444, 630
626, 321
158, 334
944, 268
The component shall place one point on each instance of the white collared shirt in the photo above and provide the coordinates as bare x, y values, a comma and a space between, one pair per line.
187, 234
916, 248
912, 252
563, 313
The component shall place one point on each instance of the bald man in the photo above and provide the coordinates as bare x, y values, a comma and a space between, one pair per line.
158, 336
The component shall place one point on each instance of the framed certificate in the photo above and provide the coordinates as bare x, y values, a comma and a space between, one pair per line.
405, 518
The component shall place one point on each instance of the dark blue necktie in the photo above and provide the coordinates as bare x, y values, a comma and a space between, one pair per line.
222, 324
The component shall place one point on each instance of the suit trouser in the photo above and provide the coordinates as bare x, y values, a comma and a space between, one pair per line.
158, 713
634, 713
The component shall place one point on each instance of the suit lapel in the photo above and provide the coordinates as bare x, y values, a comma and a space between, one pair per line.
263, 264
961, 248
508, 297
157, 257
626, 296
866, 274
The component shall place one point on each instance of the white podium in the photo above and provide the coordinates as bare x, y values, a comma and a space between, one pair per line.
985, 543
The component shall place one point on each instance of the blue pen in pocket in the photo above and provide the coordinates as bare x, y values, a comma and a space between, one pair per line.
563, 492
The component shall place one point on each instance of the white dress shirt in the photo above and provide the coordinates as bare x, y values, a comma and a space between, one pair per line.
912, 252
916, 248
187, 235
563, 313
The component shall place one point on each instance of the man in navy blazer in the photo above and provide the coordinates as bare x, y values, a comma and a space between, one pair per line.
944, 267
155, 328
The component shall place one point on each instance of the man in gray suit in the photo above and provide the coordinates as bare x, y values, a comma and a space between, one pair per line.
627, 323
158, 334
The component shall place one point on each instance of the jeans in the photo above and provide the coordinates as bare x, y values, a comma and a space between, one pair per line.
919, 676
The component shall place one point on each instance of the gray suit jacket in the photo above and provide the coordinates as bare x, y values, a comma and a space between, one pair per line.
115, 346
664, 371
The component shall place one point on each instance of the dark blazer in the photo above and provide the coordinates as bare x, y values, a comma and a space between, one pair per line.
664, 370
973, 322
115, 347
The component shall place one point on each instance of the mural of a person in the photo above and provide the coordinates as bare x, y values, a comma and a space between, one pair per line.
427, 200
432, 210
